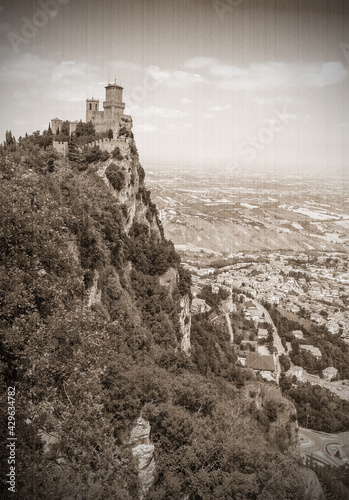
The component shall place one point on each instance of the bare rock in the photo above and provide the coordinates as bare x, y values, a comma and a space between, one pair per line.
185, 322
143, 451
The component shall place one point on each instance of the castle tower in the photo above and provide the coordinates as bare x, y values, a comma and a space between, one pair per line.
56, 124
92, 109
113, 105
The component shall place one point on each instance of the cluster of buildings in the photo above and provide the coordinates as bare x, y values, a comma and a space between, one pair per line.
319, 293
112, 118
291, 283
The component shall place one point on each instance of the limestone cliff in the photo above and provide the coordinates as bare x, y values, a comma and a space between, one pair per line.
185, 322
169, 280
143, 451
130, 193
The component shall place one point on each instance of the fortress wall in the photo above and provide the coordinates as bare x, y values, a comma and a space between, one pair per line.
60, 147
104, 144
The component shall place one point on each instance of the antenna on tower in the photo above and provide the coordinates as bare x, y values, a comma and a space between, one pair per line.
108, 78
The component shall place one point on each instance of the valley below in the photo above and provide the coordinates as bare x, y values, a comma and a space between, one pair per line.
226, 211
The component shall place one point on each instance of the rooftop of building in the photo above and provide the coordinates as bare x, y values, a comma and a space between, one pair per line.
260, 362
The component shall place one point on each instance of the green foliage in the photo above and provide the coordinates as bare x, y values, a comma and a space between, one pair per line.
334, 480
211, 351
184, 281
85, 130
213, 299
115, 176
116, 154
319, 409
284, 362
148, 252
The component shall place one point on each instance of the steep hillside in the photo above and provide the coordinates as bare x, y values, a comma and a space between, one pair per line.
95, 337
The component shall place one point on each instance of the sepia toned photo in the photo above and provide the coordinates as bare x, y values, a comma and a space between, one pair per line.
174, 249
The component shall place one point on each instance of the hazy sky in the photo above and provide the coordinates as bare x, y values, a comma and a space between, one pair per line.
261, 82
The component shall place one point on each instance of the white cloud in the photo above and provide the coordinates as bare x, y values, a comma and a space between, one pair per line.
271, 75
185, 100
173, 78
201, 62
257, 76
221, 108
177, 127
126, 65
207, 115
325, 74
229, 71
157, 111
70, 70
30, 68
182, 78
27, 67
146, 128
271, 100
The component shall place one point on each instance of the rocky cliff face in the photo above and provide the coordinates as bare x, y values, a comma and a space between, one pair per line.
143, 451
131, 193
185, 322
137, 208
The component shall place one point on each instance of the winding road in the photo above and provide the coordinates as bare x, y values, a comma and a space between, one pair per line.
226, 308
322, 447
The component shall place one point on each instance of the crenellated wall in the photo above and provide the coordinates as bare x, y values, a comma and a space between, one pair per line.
60, 147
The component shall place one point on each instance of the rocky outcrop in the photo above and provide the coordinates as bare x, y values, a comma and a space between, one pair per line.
131, 196
169, 280
95, 294
143, 451
185, 323
280, 413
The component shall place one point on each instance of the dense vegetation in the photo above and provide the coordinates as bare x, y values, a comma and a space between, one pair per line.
334, 480
317, 407
84, 374
213, 299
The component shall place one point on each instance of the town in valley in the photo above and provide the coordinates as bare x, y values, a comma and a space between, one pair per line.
268, 242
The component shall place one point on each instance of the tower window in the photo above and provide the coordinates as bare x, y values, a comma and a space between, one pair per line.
96, 107
90, 106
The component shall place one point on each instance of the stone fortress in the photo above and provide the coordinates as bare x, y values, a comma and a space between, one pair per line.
111, 118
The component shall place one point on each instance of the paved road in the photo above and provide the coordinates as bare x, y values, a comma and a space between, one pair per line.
323, 447
277, 341
227, 307
231, 333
